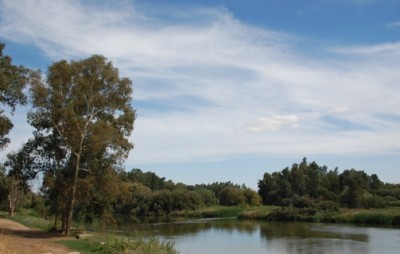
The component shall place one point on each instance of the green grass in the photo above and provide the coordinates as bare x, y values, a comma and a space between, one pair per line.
83, 246
31, 219
381, 217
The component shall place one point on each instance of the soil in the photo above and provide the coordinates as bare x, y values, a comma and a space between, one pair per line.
18, 239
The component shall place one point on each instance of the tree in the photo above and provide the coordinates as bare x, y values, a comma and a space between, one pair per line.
231, 196
3, 185
87, 106
353, 184
13, 79
149, 179
252, 197
15, 194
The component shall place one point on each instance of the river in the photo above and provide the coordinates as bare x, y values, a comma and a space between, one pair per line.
254, 237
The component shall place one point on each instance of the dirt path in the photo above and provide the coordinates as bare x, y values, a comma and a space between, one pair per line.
18, 239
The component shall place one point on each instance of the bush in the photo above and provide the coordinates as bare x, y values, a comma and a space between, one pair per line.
222, 212
303, 201
116, 245
328, 206
232, 196
374, 202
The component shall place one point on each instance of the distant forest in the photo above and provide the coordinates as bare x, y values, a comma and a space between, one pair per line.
304, 185
307, 184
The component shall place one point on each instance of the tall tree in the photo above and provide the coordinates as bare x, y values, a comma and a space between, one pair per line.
88, 106
12, 82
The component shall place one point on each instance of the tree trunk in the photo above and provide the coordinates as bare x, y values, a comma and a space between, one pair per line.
55, 221
63, 221
72, 200
11, 206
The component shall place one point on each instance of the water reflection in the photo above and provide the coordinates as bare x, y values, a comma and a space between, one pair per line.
307, 230
184, 227
233, 236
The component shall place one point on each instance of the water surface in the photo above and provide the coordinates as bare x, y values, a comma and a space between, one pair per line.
253, 237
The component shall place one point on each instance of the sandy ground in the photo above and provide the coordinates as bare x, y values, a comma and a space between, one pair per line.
18, 239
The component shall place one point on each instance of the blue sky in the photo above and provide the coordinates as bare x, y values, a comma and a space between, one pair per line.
228, 90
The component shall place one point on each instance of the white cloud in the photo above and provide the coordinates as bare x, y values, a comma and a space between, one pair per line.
338, 110
207, 77
272, 123
384, 48
393, 25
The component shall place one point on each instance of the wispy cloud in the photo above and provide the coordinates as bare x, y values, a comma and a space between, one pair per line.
202, 80
384, 48
393, 25
272, 123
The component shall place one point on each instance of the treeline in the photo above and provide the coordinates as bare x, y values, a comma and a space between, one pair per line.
150, 194
138, 193
308, 185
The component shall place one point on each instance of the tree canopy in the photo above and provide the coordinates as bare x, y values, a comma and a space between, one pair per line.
13, 79
308, 184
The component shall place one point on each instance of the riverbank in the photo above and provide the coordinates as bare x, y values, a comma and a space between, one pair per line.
378, 217
28, 235
16, 238
373, 216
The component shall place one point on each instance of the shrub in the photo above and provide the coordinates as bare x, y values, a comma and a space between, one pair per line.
114, 245
328, 206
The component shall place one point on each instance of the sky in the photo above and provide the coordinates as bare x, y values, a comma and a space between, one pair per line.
229, 90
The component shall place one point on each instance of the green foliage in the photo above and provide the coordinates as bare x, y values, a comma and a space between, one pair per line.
13, 79
151, 195
328, 206
207, 196
85, 106
306, 185
114, 245
252, 197
257, 213
231, 196
221, 212
381, 217
83, 246
148, 179
31, 219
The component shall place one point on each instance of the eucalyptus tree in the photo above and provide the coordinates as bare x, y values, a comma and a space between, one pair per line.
13, 79
87, 106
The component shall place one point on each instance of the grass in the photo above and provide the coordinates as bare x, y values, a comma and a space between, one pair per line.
31, 219
381, 217
83, 246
